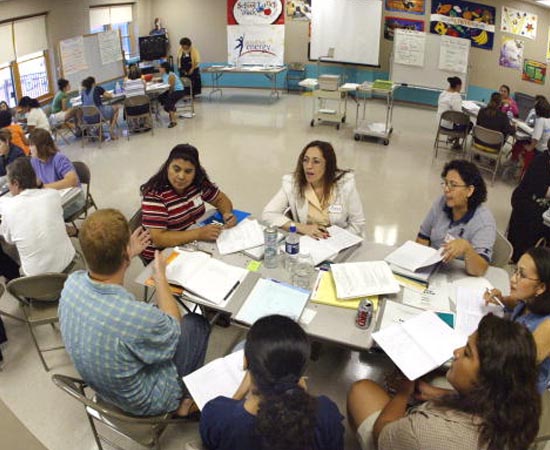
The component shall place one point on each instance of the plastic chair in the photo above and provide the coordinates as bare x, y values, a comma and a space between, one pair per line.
92, 121
142, 121
134, 223
39, 297
85, 177
457, 118
146, 431
543, 436
489, 138
295, 73
502, 251
525, 103
186, 105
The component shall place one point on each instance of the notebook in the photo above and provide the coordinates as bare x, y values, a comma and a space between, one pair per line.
470, 309
247, 234
415, 259
326, 249
324, 293
217, 217
362, 279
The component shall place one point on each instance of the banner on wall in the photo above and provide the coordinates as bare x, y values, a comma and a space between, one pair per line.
521, 23
298, 10
406, 6
398, 23
466, 20
255, 32
534, 71
511, 53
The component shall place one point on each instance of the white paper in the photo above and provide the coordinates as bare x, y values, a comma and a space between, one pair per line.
272, 297
220, 377
362, 279
420, 344
413, 256
453, 54
326, 249
470, 309
307, 316
73, 56
433, 298
409, 48
247, 234
395, 312
109, 47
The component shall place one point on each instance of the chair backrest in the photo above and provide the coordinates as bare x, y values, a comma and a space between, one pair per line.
136, 100
83, 172
135, 221
525, 103
489, 137
502, 251
91, 114
186, 81
456, 117
41, 288
47, 110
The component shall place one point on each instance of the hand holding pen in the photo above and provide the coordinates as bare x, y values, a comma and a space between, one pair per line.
229, 220
493, 296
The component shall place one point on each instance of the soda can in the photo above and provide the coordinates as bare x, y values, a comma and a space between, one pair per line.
365, 312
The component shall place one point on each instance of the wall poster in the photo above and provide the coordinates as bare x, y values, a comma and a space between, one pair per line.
398, 23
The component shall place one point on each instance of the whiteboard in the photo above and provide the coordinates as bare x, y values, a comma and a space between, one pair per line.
444, 57
351, 27
82, 57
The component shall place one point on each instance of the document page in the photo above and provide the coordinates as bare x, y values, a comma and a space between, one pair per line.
326, 249
220, 377
470, 309
362, 279
433, 298
247, 234
413, 256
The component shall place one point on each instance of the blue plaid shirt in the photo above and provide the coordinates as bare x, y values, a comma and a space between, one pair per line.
121, 347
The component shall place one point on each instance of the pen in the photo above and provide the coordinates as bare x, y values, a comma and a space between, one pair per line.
235, 286
495, 298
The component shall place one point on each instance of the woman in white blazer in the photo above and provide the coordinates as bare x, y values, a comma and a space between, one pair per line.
318, 194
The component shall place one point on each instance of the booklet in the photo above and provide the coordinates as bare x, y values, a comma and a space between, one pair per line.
326, 249
363, 279
413, 257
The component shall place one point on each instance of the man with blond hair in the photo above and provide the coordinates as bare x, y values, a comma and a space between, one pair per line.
132, 354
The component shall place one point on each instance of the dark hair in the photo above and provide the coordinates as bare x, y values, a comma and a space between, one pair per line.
541, 257
472, 177
505, 394
332, 172
505, 86
2, 103
104, 238
185, 41
88, 83
454, 82
20, 171
133, 72
542, 108
166, 66
159, 181
539, 97
62, 83
5, 135
27, 102
277, 350
5, 118
44, 143
496, 101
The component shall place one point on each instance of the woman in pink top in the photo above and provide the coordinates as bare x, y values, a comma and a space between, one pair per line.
508, 103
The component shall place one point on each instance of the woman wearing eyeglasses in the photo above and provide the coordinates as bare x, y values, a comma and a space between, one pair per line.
529, 304
458, 221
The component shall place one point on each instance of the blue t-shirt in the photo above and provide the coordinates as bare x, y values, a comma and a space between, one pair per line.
226, 425
54, 169
178, 86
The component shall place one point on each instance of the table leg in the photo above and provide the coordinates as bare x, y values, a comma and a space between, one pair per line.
215, 84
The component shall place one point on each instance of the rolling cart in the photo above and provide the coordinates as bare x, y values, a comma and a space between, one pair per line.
329, 106
380, 130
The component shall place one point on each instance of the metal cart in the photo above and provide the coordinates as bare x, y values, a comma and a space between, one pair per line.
380, 130
329, 106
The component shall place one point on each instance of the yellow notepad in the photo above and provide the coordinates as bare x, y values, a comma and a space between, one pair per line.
325, 293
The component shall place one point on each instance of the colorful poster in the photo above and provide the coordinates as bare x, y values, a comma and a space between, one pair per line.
534, 71
521, 23
250, 12
298, 10
397, 23
406, 6
511, 53
463, 19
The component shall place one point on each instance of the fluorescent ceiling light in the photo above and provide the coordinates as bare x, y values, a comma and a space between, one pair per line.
543, 2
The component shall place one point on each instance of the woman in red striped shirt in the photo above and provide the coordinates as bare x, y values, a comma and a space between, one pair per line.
173, 200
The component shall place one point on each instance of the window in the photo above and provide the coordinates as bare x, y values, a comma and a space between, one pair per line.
7, 93
33, 75
116, 17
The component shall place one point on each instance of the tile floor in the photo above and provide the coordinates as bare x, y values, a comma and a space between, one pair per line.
247, 143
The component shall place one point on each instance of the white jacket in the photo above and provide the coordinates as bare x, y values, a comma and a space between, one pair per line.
345, 210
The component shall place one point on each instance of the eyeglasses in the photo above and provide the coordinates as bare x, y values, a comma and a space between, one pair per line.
518, 273
451, 185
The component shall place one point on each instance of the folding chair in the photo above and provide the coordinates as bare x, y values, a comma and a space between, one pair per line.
141, 121
457, 118
39, 297
92, 122
85, 177
502, 251
145, 431
489, 138
186, 106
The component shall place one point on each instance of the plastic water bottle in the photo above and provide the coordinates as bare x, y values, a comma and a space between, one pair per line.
270, 248
118, 90
303, 272
510, 115
292, 247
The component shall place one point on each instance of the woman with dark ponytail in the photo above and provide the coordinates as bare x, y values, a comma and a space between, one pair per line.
272, 409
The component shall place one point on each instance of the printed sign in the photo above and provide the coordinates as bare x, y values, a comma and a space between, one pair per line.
406, 6
398, 23
520, 23
248, 12
534, 71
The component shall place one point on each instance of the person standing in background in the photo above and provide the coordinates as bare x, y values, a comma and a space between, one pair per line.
188, 62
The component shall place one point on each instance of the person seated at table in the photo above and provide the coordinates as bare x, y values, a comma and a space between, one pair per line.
532, 115
8, 151
32, 220
173, 201
189, 65
36, 117
53, 169
530, 199
458, 221
450, 100
488, 409
135, 85
174, 93
132, 354
61, 105
272, 407
92, 95
17, 134
319, 194
492, 118
529, 304
4, 106
508, 103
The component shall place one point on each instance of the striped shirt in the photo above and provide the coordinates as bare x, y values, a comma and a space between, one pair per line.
121, 347
168, 210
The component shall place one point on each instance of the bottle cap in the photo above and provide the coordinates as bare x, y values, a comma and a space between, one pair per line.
292, 228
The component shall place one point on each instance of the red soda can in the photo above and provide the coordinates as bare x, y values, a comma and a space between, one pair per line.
364, 314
